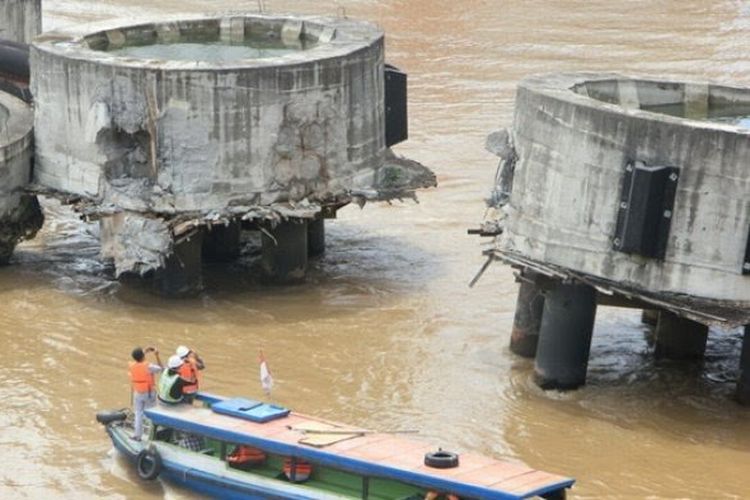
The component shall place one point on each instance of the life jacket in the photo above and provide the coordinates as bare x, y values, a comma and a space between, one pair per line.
141, 377
188, 371
166, 382
301, 470
246, 455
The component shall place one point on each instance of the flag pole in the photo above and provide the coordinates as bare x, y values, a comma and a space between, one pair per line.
266, 379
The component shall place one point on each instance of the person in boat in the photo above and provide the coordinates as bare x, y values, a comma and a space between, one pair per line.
192, 364
171, 384
244, 457
141, 373
192, 442
297, 470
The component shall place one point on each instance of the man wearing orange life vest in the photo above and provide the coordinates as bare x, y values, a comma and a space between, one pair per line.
141, 374
191, 366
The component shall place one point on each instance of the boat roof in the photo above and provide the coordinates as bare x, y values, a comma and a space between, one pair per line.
365, 453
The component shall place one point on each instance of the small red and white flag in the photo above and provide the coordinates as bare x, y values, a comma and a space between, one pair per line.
266, 380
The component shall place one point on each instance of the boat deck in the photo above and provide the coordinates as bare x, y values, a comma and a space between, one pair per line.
369, 454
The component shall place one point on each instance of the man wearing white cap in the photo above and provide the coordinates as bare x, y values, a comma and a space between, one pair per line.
191, 366
171, 383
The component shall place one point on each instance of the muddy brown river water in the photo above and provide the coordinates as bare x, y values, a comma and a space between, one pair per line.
386, 334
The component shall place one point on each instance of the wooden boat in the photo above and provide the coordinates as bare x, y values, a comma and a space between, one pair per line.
196, 446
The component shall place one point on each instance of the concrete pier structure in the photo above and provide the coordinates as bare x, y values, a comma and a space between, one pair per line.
20, 20
527, 320
20, 215
279, 119
181, 274
650, 317
635, 187
316, 237
285, 252
679, 338
743, 386
222, 243
562, 355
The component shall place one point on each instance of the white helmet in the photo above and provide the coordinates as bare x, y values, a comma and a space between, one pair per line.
174, 362
182, 351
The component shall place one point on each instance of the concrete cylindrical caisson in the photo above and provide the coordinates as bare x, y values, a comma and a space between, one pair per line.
743, 386
679, 338
20, 215
316, 237
562, 355
123, 116
171, 125
285, 252
20, 20
527, 320
641, 183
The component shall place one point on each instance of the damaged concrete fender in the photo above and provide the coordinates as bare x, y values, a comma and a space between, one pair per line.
500, 144
576, 136
135, 243
20, 20
20, 214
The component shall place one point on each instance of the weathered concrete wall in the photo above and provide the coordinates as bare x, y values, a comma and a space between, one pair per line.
20, 215
572, 150
20, 20
174, 136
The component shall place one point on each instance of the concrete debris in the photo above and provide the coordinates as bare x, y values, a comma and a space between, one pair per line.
500, 143
399, 178
136, 243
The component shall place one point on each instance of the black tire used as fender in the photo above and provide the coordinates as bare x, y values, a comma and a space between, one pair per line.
108, 417
441, 459
14, 61
148, 465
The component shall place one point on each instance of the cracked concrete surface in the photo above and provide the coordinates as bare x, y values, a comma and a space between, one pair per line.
189, 142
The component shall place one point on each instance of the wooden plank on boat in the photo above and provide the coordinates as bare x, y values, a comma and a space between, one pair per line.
372, 454
346, 446
493, 473
526, 484
319, 435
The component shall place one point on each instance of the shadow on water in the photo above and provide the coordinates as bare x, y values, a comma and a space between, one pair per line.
359, 270
628, 388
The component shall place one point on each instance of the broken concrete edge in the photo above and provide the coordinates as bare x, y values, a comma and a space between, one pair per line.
725, 314
141, 242
501, 144
399, 178
347, 36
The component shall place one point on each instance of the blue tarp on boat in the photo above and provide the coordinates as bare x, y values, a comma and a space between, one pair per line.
249, 409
